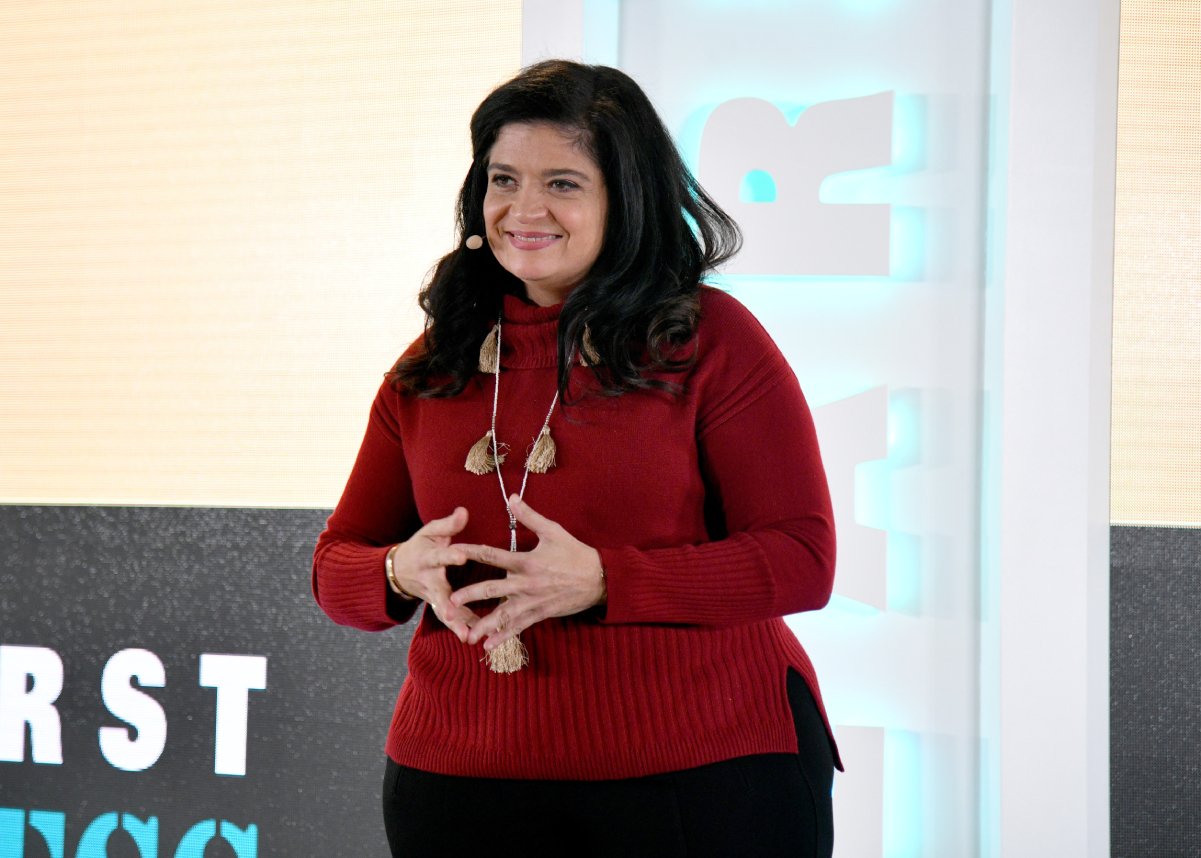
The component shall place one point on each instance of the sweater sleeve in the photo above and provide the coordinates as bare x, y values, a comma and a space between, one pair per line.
376, 510
768, 503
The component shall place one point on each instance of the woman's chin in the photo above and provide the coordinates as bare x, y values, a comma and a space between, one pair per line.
545, 291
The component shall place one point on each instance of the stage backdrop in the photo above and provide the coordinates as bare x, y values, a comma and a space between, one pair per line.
849, 140
215, 218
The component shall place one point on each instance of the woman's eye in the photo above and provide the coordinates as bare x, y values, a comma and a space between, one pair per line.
501, 180
563, 185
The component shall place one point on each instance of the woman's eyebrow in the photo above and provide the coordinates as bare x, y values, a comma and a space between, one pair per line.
555, 171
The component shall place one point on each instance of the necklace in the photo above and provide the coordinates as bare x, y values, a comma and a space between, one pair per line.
488, 454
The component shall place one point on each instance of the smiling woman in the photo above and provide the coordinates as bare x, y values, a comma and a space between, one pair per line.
605, 663
545, 208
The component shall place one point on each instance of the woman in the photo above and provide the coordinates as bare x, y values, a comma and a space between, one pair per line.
599, 483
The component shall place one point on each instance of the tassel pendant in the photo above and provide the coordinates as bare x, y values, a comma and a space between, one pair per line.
542, 456
481, 459
490, 350
588, 355
509, 657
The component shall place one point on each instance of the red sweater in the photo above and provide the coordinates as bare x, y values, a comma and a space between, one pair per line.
712, 517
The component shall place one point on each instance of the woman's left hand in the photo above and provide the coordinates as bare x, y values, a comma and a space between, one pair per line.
559, 577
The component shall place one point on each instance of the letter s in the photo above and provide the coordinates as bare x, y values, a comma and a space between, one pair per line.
140, 710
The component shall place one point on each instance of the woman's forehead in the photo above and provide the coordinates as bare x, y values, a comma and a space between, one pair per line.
541, 137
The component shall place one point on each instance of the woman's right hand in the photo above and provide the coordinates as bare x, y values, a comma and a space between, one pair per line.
419, 566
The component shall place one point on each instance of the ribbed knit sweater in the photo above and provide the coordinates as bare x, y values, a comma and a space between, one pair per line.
711, 513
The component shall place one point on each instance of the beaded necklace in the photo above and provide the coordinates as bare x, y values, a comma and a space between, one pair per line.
487, 455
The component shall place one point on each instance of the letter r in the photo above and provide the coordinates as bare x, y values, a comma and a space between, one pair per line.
24, 703
797, 233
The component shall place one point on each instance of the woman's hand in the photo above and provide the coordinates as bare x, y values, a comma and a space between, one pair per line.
419, 565
559, 577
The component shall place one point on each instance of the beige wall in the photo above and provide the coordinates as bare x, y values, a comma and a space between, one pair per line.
1157, 298
214, 217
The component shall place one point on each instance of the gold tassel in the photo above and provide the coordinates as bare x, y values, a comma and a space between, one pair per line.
510, 657
588, 355
489, 354
480, 459
542, 457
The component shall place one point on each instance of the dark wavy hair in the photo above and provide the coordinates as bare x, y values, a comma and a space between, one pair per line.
639, 300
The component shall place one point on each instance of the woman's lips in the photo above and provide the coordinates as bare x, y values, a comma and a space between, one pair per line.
531, 240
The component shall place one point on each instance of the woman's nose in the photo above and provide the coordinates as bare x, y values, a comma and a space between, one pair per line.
529, 204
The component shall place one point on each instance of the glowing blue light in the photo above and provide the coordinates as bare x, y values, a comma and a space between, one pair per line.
904, 549
902, 794
874, 480
875, 490
907, 244
909, 116
904, 573
688, 138
873, 494
865, 7
758, 186
904, 428
845, 605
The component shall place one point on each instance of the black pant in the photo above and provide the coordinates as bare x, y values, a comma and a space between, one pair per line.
763, 805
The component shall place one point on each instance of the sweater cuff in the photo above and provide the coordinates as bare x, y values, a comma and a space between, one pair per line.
361, 597
695, 585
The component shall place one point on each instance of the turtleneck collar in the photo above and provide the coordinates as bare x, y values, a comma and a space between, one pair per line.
530, 334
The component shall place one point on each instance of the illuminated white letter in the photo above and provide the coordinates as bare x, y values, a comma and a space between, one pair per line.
234, 676
23, 702
853, 431
797, 232
139, 710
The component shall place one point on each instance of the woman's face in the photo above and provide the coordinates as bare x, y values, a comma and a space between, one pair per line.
545, 209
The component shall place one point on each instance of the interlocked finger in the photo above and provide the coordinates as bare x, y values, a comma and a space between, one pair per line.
440, 558
506, 626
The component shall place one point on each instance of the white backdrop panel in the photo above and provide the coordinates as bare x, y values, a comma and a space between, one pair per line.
849, 139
